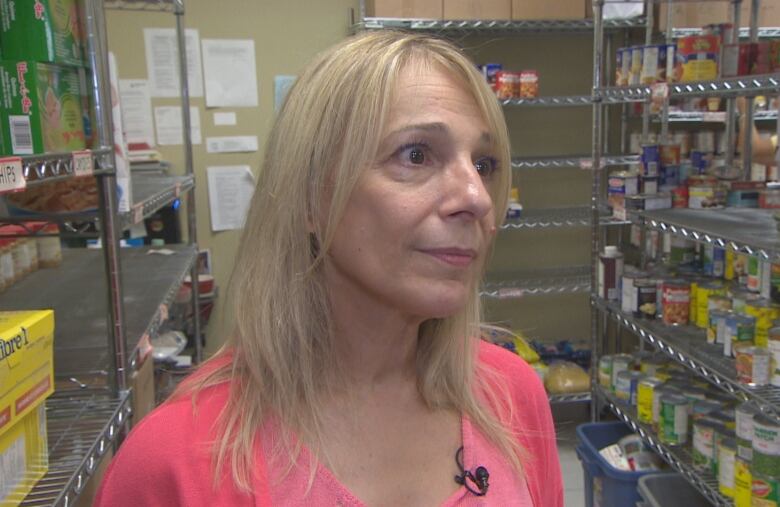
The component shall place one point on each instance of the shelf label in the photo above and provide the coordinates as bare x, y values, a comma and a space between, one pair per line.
83, 163
138, 213
510, 293
586, 164
11, 175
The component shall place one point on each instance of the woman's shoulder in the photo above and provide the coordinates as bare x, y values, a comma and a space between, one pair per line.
510, 367
170, 452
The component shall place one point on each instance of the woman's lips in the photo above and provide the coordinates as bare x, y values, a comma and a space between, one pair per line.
458, 257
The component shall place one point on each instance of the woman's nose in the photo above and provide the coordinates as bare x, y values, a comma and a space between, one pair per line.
466, 193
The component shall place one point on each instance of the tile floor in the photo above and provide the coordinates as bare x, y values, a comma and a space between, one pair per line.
566, 420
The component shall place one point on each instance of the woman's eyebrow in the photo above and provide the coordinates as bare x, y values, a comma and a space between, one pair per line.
430, 127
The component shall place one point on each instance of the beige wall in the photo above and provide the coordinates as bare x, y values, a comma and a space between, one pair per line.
287, 33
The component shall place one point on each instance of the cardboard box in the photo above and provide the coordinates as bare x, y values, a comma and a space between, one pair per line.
697, 15
142, 383
41, 30
40, 108
420, 9
24, 457
546, 9
476, 9
26, 363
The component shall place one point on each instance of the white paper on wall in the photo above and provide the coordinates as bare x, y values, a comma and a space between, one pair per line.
169, 125
162, 62
230, 73
137, 111
230, 191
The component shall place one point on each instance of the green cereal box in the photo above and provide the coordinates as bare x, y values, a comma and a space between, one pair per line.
41, 30
41, 108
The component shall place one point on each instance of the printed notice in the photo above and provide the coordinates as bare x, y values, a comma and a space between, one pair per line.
231, 144
169, 125
230, 191
224, 119
229, 72
137, 111
162, 62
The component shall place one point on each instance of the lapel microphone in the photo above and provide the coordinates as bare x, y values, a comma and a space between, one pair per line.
477, 482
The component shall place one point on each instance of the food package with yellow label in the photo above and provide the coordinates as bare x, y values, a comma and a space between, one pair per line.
24, 457
40, 108
26, 363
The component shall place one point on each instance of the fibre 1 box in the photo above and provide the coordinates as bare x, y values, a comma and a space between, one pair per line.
40, 108
42, 30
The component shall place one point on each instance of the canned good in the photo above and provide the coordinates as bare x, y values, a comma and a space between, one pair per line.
680, 197
620, 362
507, 85
766, 447
650, 159
727, 455
705, 408
681, 250
693, 394
693, 309
623, 183
753, 282
669, 176
744, 414
714, 261
740, 332
764, 314
700, 158
658, 393
703, 293
623, 385
683, 138
765, 280
743, 483
706, 197
753, 365
718, 302
644, 398
773, 346
716, 331
653, 365
628, 296
674, 419
605, 371
676, 300
764, 490
704, 444
726, 418
740, 299
646, 293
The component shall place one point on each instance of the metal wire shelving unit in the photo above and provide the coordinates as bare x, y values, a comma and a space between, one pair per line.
103, 324
568, 280
745, 230
493, 26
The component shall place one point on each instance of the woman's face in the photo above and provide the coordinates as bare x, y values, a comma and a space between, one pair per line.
419, 221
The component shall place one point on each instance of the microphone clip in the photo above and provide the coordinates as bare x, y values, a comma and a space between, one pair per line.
477, 482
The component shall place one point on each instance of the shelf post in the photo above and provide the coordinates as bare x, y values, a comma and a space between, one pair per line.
97, 46
731, 104
598, 111
192, 225
747, 145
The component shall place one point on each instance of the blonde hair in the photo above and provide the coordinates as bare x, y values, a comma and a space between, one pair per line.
279, 358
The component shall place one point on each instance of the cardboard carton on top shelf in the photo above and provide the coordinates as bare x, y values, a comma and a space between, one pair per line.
697, 15
40, 108
477, 9
43, 31
420, 9
547, 9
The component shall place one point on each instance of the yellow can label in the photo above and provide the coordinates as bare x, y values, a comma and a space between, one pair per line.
728, 273
743, 483
644, 402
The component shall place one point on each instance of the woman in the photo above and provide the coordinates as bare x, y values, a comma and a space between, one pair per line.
354, 374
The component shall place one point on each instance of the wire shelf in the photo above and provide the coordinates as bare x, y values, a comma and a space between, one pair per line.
559, 101
764, 32
678, 457
752, 231
39, 169
81, 428
715, 117
730, 87
151, 193
581, 162
556, 217
687, 345
539, 282
560, 399
151, 282
172, 6
493, 26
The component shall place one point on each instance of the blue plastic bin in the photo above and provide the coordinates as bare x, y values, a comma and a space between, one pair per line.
605, 486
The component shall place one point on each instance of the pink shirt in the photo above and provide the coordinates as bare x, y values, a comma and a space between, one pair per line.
166, 459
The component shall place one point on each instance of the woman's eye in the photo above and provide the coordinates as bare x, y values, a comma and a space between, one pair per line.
416, 156
486, 166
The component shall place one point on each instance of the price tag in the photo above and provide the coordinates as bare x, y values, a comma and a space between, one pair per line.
11, 175
83, 164
510, 293
138, 213
586, 164
714, 116
177, 190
